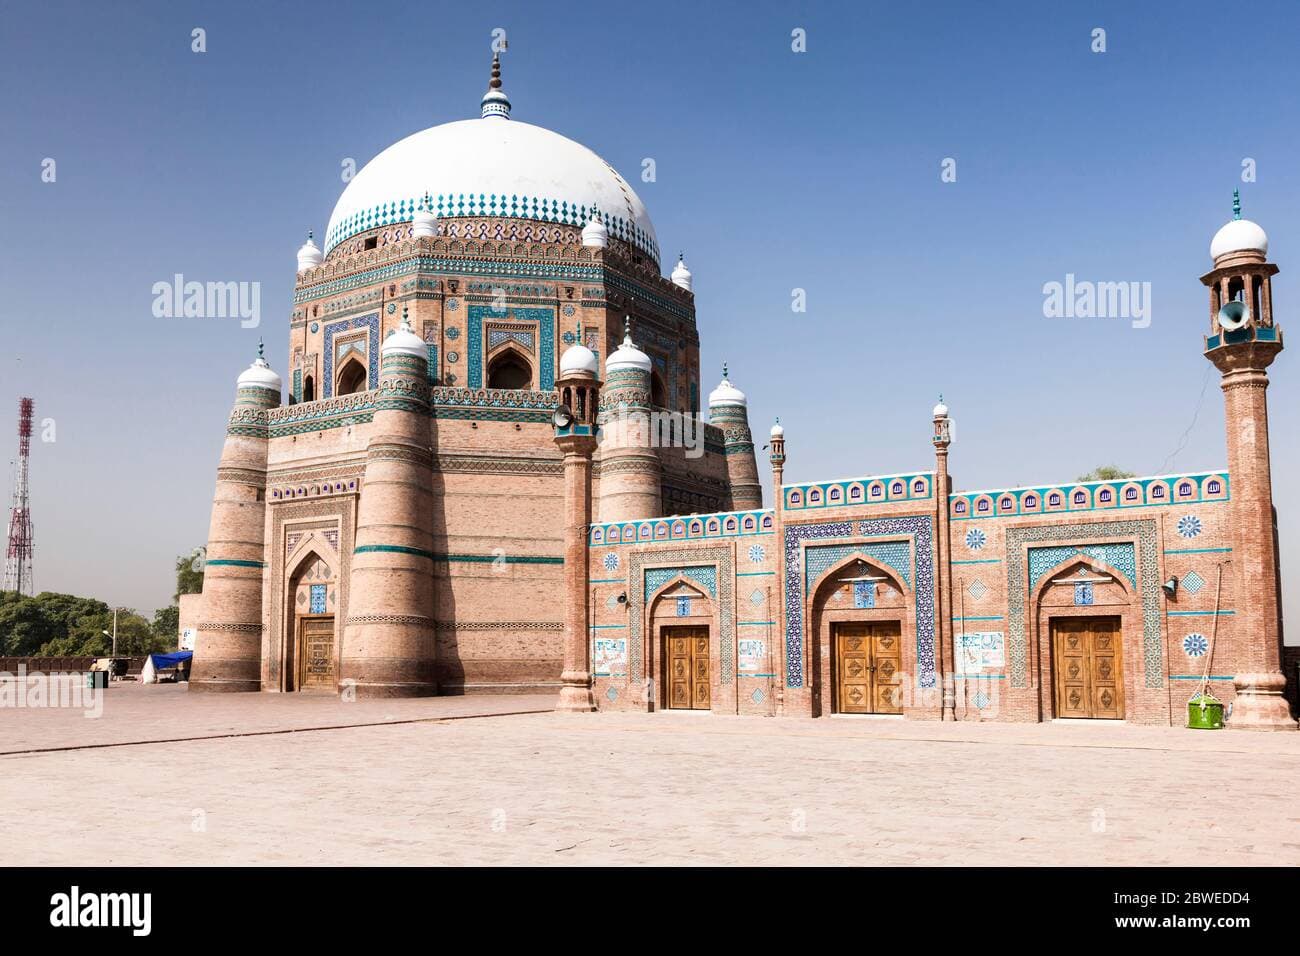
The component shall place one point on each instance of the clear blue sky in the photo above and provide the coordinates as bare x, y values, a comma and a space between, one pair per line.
775, 170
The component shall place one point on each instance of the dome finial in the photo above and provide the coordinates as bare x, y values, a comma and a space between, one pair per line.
261, 350
495, 102
724, 371
1236, 203
627, 329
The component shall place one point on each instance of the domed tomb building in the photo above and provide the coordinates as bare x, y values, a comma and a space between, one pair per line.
393, 523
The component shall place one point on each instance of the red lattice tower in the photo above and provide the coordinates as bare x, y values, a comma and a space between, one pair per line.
18, 556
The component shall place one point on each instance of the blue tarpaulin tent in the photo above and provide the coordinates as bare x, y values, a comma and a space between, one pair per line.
161, 662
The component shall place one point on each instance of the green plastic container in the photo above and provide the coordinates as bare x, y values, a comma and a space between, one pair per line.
1205, 712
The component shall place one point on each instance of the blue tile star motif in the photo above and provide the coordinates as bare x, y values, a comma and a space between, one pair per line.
976, 539
1189, 526
757, 554
611, 561
1195, 645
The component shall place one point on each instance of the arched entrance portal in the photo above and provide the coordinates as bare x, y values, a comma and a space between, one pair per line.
310, 651
683, 621
1084, 609
860, 610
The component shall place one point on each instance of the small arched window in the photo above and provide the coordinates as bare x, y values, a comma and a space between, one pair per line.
309, 389
510, 370
352, 378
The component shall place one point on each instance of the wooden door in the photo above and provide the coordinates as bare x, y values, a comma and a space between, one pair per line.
316, 652
686, 660
1088, 657
868, 667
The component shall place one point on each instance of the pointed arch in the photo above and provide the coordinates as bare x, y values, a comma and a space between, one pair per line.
509, 368
351, 377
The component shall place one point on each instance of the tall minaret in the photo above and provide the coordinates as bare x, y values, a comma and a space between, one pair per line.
1242, 343
630, 470
228, 653
947, 654
388, 641
729, 411
575, 434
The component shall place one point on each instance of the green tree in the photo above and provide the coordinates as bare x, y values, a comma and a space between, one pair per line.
189, 574
25, 624
1106, 473
167, 624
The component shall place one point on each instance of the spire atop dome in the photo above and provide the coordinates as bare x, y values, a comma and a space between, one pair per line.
727, 393
594, 232
1236, 204
495, 103
424, 222
1239, 237
404, 341
627, 357
259, 374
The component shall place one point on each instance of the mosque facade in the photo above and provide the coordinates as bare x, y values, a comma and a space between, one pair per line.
490, 474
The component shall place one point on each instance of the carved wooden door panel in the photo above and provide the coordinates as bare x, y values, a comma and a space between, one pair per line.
687, 662
886, 668
1089, 667
317, 653
853, 668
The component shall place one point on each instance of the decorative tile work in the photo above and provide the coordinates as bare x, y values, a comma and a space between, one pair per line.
864, 594
757, 696
478, 315
706, 577
1119, 557
725, 577
1195, 645
981, 700
457, 205
920, 527
1189, 526
870, 490
1091, 496
723, 524
1144, 530
896, 555
757, 597
610, 561
757, 554
1192, 582
683, 606
522, 337
371, 324
975, 539
977, 589
318, 592
453, 332
1083, 594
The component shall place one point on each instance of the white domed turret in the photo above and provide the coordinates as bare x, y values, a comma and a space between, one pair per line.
1238, 235
424, 222
259, 374
941, 410
777, 430
579, 360
309, 256
627, 357
404, 341
726, 393
594, 233
682, 275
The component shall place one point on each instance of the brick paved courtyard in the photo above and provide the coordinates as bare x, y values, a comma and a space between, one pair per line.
444, 781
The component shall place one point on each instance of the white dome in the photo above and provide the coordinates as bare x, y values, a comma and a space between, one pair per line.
777, 430
491, 167
627, 356
726, 393
424, 222
681, 275
405, 342
309, 256
941, 410
595, 234
1239, 235
579, 359
259, 375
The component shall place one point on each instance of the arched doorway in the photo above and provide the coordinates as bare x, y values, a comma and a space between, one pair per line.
509, 369
658, 390
309, 389
352, 377
684, 648
860, 611
310, 641
1084, 607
